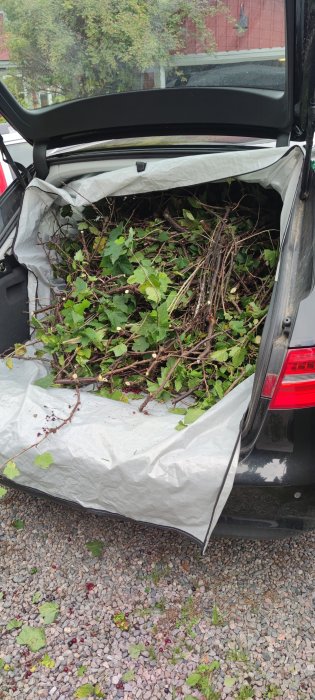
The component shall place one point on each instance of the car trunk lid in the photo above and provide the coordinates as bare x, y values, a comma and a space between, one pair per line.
250, 90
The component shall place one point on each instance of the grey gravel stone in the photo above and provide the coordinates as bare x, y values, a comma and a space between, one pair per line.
168, 592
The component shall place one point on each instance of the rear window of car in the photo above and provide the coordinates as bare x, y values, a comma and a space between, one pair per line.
58, 51
21, 153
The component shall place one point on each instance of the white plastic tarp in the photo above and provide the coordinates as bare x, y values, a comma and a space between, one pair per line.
111, 457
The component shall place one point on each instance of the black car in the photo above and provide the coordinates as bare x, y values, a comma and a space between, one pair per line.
234, 101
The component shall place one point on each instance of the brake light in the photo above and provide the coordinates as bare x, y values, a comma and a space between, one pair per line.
295, 386
3, 181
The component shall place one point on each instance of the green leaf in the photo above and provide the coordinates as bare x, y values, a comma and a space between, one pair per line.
237, 327
128, 676
47, 661
83, 226
178, 384
96, 547
219, 355
14, 624
238, 357
79, 256
81, 671
49, 612
162, 314
45, 382
11, 470
217, 617
114, 249
134, 650
218, 388
33, 637
3, 491
36, 597
80, 286
18, 524
163, 236
20, 349
9, 363
139, 276
178, 411
84, 691
96, 336
229, 681
270, 257
120, 349
140, 345
44, 460
193, 679
188, 215
116, 395
190, 697
192, 414
180, 426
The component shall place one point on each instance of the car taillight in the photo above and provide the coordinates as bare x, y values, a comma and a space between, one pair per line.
295, 386
3, 181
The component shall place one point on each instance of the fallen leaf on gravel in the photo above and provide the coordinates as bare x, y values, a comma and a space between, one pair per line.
84, 691
48, 662
229, 681
49, 612
134, 650
87, 690
128, 676
3, 491
14, 624
185, 565
95, 547
33, 637
36, 597
18, 524
81, 671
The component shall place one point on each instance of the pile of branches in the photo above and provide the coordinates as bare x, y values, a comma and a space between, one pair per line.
164, 297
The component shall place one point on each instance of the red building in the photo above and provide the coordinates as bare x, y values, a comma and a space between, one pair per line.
248, 25
4, 53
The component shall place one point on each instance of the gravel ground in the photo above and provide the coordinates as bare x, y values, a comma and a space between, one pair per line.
248, 605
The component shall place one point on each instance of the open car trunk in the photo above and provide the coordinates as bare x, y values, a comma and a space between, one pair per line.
110, 457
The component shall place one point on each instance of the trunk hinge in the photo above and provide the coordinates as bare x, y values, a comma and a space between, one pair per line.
40, 160
19, 170
308, 164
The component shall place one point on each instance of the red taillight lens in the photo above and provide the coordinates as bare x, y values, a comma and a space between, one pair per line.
295, 387
3, 182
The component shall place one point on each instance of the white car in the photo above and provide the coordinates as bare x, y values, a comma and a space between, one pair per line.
20, 151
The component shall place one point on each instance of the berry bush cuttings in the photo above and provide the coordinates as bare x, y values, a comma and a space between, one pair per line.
165, 295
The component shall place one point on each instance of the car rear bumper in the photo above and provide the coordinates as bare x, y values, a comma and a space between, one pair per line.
267, 512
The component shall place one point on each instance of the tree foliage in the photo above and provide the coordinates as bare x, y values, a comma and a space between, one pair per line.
99, 46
